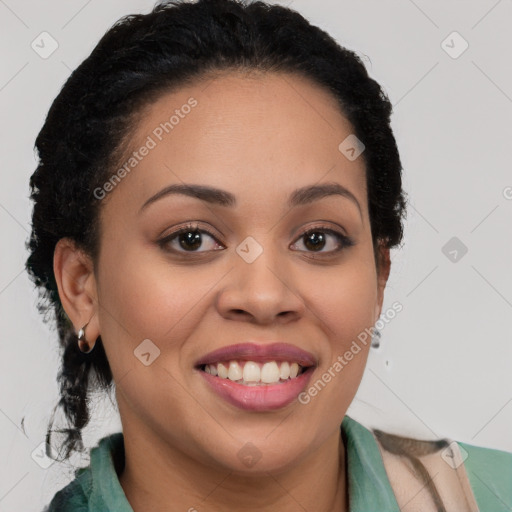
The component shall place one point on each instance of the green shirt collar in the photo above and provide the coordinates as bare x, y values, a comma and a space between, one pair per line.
369, 487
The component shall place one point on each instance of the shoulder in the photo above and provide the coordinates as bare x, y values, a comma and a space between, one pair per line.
74, 497
96, 483
490, 474
403, 472
481, 476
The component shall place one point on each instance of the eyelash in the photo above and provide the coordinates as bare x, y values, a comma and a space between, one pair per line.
344, 241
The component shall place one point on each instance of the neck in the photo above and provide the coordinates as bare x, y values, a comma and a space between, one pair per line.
156, 474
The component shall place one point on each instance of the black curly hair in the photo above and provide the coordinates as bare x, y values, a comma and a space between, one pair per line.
138, 59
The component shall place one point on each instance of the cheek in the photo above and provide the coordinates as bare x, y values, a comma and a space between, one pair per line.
347, 310
346, 301
145, 298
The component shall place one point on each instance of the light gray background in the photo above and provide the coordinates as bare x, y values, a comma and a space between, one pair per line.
444, 366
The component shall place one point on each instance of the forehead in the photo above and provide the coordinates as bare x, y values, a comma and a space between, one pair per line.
258, 135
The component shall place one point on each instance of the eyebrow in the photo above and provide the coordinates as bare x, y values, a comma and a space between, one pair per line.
299, 197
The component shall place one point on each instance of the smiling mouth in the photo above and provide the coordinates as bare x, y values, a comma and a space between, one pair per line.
252, 373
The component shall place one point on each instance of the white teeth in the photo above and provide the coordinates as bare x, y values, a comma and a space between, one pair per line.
251, 373
285, 370
235, 372
270, 373
222, 371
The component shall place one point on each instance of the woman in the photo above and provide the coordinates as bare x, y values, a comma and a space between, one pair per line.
216, 199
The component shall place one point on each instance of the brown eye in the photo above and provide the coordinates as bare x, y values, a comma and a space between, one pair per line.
317, 239
189, 239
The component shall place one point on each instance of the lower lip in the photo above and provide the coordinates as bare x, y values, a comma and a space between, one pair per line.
259, 398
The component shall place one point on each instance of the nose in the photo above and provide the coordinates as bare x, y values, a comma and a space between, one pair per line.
263, 291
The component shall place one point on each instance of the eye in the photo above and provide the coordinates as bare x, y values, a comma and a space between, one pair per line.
320, 237
189, 239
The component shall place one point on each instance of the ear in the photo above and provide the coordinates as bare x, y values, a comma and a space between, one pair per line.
383, 269
76, 282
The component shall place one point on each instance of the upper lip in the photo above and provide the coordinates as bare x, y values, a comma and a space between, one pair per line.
277, 351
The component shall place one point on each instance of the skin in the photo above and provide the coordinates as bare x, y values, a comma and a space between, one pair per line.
259, 137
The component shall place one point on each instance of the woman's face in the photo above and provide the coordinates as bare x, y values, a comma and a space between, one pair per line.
247, 276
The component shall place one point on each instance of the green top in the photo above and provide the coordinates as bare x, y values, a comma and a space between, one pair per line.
96, 488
